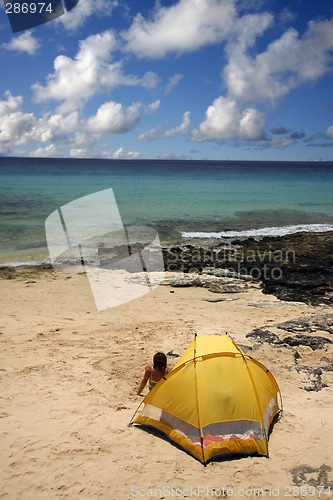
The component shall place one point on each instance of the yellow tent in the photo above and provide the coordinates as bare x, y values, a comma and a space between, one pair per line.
215, 402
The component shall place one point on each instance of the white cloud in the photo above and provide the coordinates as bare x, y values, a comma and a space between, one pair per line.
224, 120
182, 27
47, 152
252, 125
153, 106
173, 82
120, 153
55, 127
65, 123
111, 117
79, 153
156, 133
77, 17
15, 127
246, 30
68, 131
288, 62
182, 128
11, 104
329, 132
18, 128
76, 80
151, 134
25, 43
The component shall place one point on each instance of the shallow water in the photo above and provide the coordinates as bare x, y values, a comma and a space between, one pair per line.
171, 196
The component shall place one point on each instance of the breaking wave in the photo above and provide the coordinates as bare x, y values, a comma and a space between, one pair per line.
260, 233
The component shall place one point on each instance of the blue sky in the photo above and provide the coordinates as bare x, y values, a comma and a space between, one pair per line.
188, 79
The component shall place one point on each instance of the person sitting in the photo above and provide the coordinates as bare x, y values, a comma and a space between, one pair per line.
153, 374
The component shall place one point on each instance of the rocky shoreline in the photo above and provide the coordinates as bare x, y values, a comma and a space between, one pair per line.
296, 267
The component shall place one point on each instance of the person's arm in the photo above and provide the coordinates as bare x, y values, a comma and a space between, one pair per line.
144, 380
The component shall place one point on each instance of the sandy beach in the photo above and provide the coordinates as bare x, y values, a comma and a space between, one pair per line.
69, 375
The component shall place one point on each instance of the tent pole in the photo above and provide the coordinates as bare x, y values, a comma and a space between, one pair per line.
136, 411
197, 397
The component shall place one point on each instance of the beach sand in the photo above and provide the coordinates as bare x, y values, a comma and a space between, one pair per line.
69, 375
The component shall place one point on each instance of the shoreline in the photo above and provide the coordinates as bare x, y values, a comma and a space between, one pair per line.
296, 266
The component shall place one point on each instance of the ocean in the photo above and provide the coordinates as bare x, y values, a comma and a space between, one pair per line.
184, 201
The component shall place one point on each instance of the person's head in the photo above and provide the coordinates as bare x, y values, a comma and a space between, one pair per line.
160, 361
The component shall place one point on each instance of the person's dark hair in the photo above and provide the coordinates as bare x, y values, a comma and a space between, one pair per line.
160, 361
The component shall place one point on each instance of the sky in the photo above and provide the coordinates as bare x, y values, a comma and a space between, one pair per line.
188, 79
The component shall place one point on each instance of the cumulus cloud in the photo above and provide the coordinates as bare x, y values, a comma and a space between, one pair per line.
245, 31
80, 78
46, 152
11, 104
287, 62
182, 27
112, 117
14, 124
225, 120
76, 80
25, 43
77, 17
16, 127
120, 153
53, 133
156, 133
79, 153
19, 128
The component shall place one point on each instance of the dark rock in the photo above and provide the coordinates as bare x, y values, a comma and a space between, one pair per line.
261, 335
313, 378
306, 340
172, 354
296, 267
329, 365
310, 476
186, 281
214, 284
308, 324
225, 288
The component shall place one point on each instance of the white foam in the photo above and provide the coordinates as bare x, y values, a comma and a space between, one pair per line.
260, 233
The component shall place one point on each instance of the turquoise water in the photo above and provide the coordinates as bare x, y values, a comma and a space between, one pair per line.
173, 197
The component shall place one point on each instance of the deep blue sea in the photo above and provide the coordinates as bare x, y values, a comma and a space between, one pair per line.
181, 199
